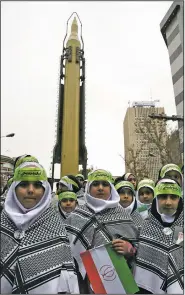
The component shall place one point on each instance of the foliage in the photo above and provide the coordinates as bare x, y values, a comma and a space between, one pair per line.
154, 145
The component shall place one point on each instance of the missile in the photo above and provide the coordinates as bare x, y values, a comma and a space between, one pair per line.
70, 149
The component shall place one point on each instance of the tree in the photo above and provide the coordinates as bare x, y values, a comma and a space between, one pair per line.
91, 168
160, 140
156, 145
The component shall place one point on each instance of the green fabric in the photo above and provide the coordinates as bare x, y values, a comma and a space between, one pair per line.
142, 208
81, 176
30, 174
146, 183
126, 184
100, 175
67, 195
168, 189
10, 180
169, 167
25, 159
68, 180
123, 271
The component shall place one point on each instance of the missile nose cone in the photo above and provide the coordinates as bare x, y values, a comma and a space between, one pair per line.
74, 27
74, 30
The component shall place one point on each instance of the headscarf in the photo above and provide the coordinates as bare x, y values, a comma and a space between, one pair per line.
163, 187
169, 167
126, 176
80, 176
67, 195
23, 159
98, 204
21, 216
129, 185
70, 182
145, 183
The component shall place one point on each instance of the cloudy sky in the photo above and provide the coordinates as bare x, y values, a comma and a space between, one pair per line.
126, 60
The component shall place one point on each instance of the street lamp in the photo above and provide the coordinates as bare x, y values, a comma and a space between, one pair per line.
9, 135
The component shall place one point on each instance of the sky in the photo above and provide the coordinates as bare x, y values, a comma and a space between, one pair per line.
126, 60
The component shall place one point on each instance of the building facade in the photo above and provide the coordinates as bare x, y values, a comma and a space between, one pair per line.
140, 154
7, 167
172, 29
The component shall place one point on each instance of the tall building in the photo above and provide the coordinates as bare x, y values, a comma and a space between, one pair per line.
172, 29
135, 142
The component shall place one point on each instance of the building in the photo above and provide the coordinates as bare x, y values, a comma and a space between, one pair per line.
7, 167
172, 30
141, 156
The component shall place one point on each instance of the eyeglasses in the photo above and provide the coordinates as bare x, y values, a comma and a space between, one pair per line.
36, 184
66, 200
103, 183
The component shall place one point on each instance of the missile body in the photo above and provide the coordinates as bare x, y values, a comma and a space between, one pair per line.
71, 105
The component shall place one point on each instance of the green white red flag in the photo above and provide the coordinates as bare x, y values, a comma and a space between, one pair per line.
108, 271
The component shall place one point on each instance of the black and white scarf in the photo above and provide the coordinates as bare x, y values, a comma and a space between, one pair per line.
87, 229
37, 260
159, 261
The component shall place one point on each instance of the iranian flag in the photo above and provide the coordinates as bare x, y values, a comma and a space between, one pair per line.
108, 271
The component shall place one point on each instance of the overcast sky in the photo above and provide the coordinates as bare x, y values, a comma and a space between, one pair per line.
126, 60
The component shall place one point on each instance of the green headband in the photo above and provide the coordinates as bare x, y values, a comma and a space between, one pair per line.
126, 184
9, 182
25, 159
169, 167
29, 174
69, 181
146, 183
80, 175
100, 175
168, 189
67, 195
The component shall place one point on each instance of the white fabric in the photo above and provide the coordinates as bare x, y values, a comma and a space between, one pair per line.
148, 280
100, 258
66, 214
130, 207
97, 204
30, 164
21, 216
69, 185
127, 175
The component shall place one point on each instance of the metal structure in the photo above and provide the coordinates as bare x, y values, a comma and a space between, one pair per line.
9, 135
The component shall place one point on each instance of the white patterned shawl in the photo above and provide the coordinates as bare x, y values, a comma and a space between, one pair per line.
88, 229
37, 260
159, 260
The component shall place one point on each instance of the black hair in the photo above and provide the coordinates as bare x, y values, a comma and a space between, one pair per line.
16, 159
118, 179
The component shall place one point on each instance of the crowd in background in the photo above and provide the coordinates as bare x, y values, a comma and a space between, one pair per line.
44, 232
